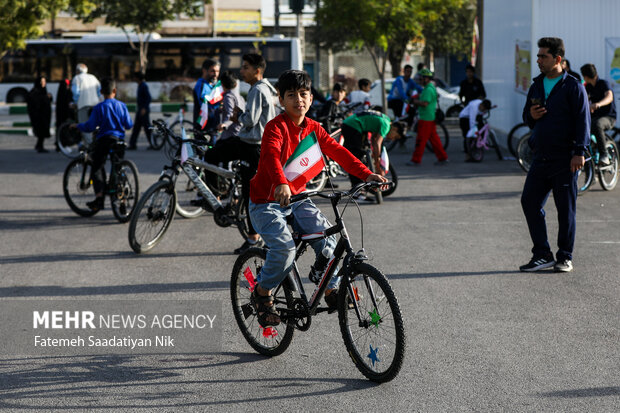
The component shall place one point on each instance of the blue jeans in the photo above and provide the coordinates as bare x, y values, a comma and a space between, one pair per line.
269, 220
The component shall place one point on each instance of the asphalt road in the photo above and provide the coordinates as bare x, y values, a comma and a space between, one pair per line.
480, 335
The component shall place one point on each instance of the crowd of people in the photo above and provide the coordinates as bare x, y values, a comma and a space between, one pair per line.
250, 130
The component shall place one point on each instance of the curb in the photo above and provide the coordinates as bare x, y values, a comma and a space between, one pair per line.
162, 107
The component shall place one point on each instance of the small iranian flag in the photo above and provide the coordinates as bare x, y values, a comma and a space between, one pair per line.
204, 114
305, 163
216, 94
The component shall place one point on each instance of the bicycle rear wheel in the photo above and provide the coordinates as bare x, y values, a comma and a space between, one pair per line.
152, 217
126, 192
515, 135
608, 175
269, 341
187, 195
524, 152
375, 339
585, 176
318, 182
77, 186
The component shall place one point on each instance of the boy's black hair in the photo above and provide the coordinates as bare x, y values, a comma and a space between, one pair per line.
293, 80
107, 85
554, 44
487, 104
470, 67
363, 83
421, 66
588, 70
408, 67
228, 79
140, 76
209, 63
337, 87
256, 61
401, 128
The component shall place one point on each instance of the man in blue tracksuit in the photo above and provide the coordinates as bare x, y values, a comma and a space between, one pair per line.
557, 110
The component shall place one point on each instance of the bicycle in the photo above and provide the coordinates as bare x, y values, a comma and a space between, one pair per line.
607, 174
370, 319
70, 140
122, 185
158, 138
155, 209
485, 139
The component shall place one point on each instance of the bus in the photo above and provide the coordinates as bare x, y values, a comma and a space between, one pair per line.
174, 64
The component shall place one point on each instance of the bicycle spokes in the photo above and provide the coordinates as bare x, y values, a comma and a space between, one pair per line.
247, 273
373, 355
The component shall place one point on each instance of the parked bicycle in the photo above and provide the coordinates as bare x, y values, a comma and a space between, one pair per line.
484, 140
122, 185
607, 174
158, 138
155, 209
370, 319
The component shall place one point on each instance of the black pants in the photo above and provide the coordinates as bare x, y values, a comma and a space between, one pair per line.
98, 157
356, 142
543, 178
233, 149
599, 126
142, 121
397, 106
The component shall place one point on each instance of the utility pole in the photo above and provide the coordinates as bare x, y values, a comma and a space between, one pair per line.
276, 15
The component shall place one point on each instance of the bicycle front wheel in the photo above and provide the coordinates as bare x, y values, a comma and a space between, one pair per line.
269, 341
515, 135
608, 174
391, 176
492, 143
524, 152
69, 140
152, 217
126, 190
585, 176
158, 138
77, 186
187, 196
374, 337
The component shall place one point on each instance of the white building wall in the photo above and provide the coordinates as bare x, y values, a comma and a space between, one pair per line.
582, 24
505, 22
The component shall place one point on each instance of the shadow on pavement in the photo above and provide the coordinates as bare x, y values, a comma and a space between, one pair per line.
590, 392
447, 274
77, 383
60, 291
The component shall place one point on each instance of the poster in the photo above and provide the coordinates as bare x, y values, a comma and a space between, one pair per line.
612, 63
523, 67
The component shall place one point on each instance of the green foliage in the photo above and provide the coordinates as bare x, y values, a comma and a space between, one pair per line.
20, 19
450, 29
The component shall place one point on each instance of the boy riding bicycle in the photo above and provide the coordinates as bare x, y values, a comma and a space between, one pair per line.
272, 187
112, 118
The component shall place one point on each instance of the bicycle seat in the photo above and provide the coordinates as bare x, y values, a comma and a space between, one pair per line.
166, 115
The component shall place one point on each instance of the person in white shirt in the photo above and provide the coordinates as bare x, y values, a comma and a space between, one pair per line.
86, 91
360, 97
470, 118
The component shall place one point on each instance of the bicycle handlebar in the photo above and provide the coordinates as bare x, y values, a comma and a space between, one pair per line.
161, 125
352, 192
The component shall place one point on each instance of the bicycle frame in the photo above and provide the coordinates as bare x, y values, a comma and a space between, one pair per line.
342, 251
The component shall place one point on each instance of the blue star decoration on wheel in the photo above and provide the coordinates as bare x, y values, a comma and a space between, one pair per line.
375, 318
373, 355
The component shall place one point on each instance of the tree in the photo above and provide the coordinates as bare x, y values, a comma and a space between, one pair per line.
142, 18
377, 26
21, 19
440, 28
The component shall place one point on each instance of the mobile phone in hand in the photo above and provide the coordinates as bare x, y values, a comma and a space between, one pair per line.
536, 101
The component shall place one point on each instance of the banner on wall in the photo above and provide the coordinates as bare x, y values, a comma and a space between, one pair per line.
612, 62
523, 67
